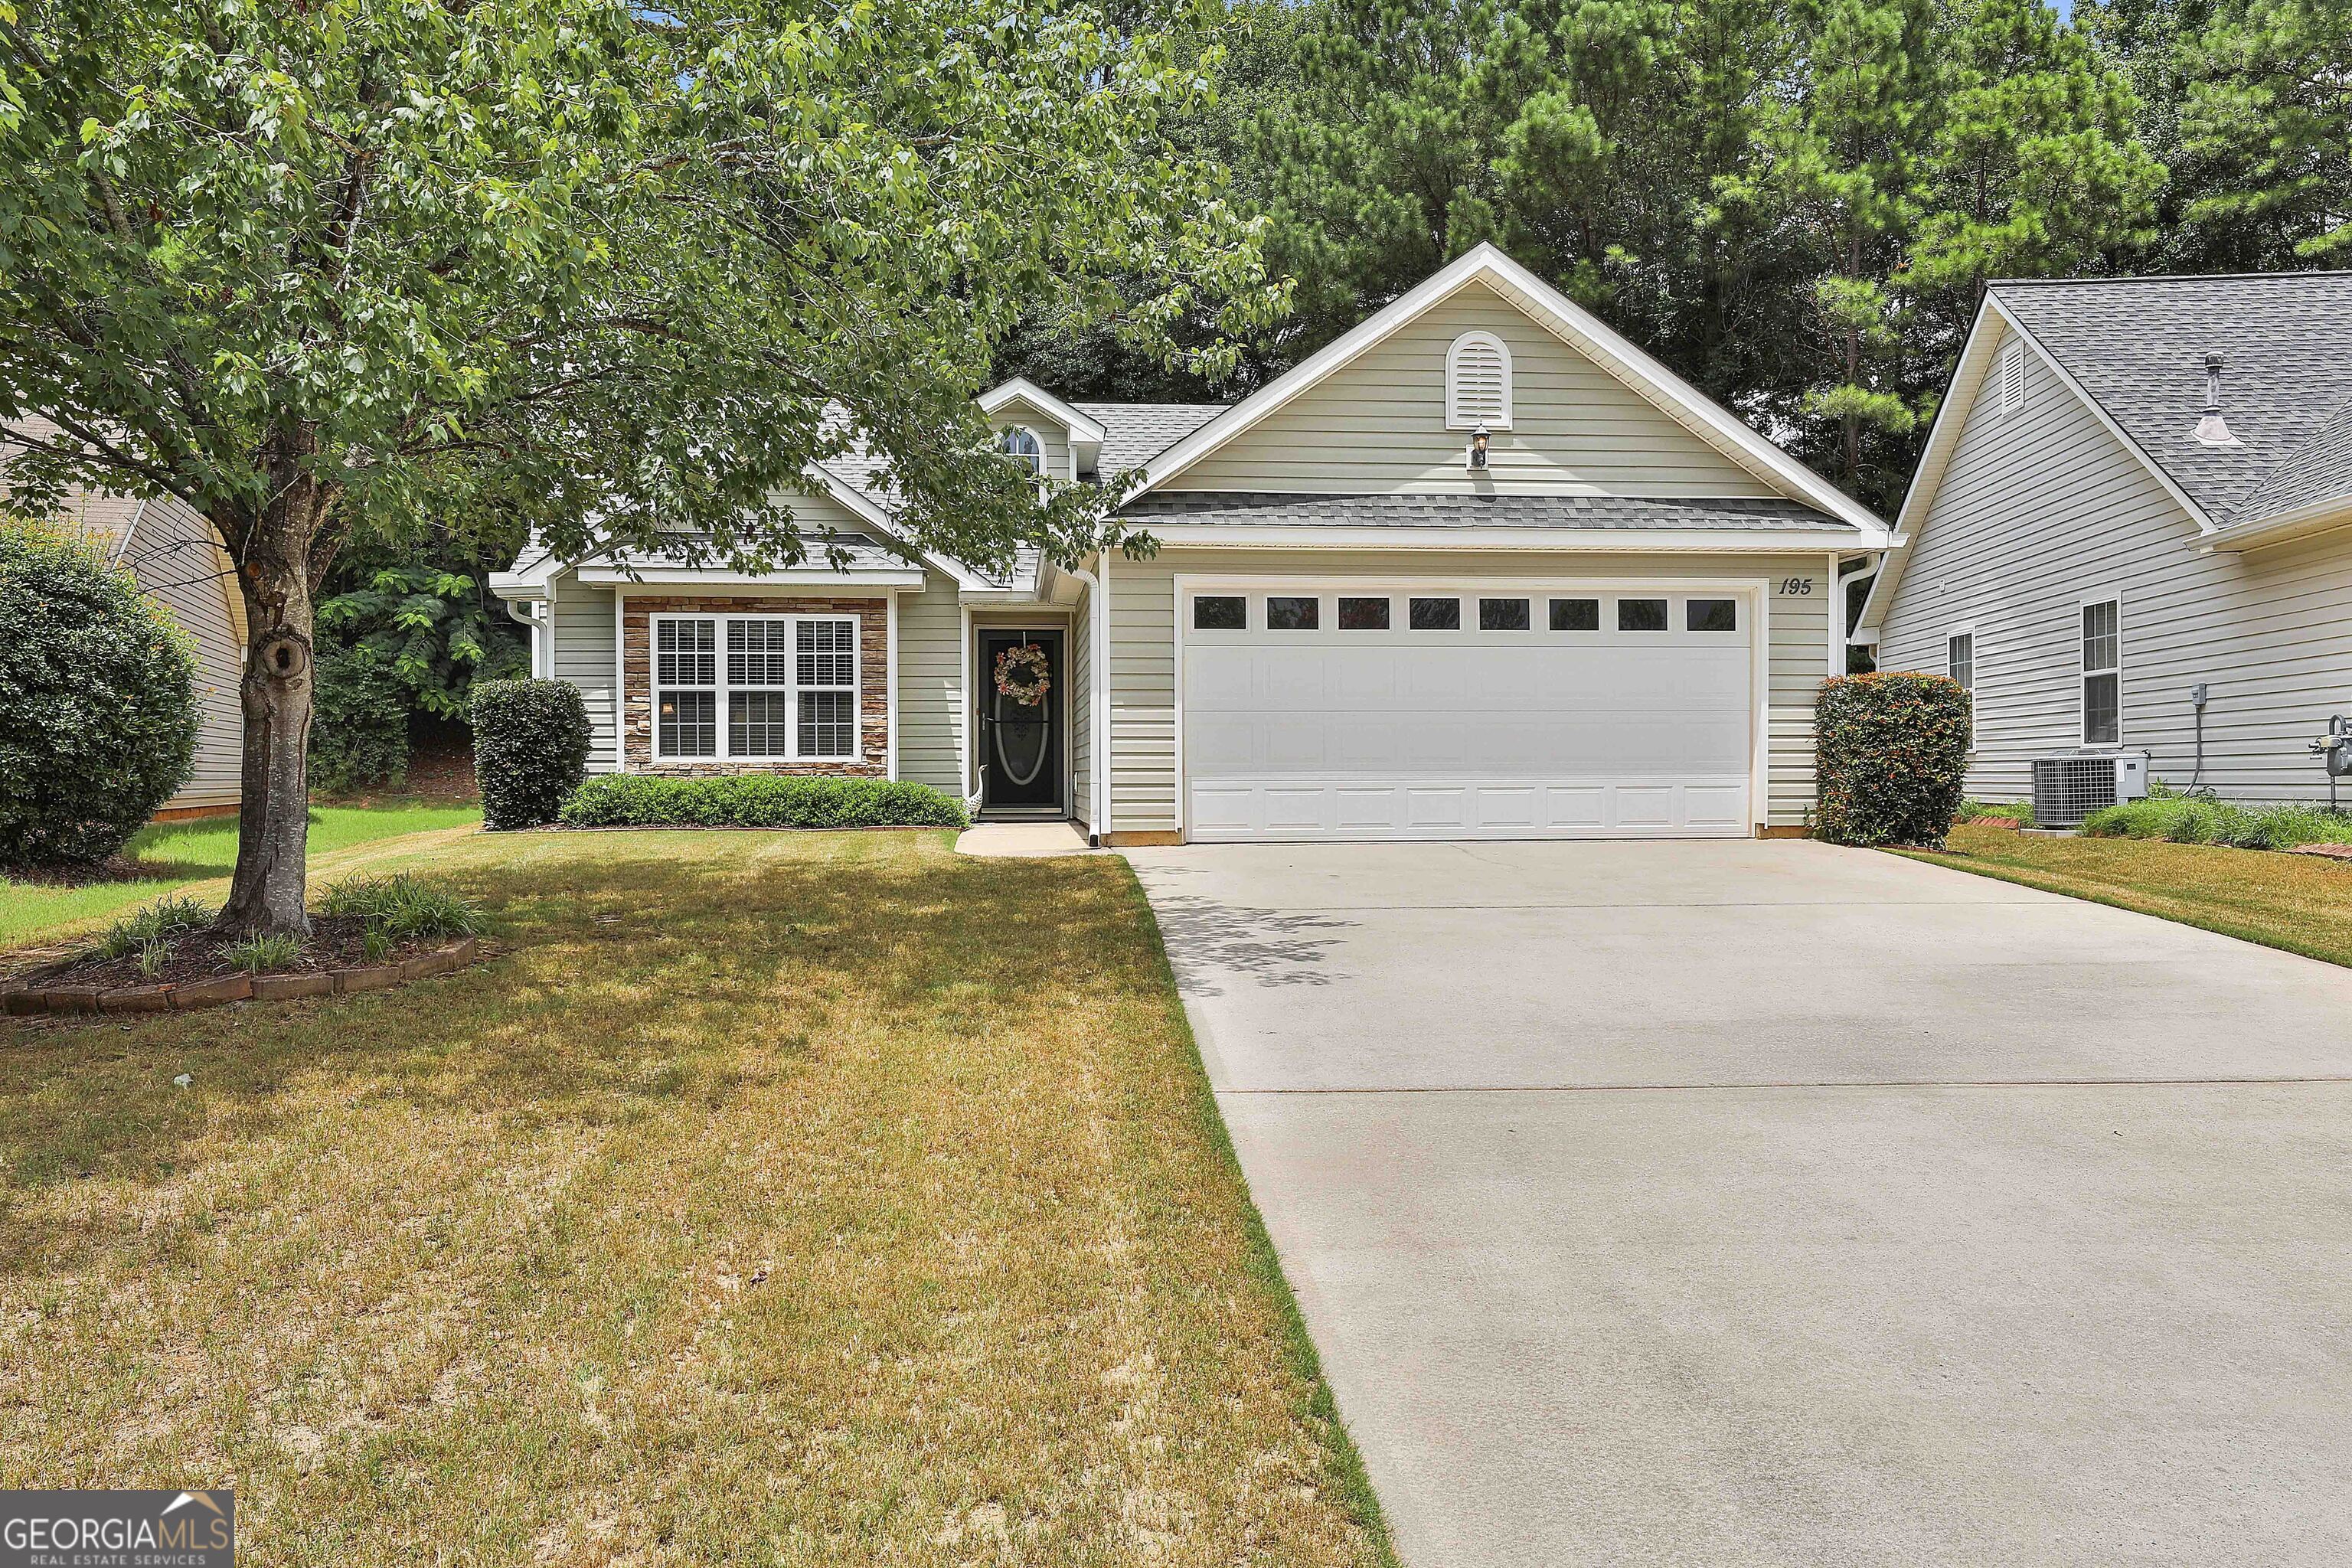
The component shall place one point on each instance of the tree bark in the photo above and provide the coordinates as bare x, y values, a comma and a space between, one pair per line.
268, 893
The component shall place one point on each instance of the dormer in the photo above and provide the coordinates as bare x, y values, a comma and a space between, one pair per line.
1068, 443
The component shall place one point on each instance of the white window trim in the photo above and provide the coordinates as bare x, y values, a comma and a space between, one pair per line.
2012, 375
792, 688
1953, 635
1454, 419
2083, 673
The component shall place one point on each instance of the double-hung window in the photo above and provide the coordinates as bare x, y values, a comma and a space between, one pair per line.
2103, 723
1960, 659
764, 688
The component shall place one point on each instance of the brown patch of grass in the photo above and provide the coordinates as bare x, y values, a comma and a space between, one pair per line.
2297, 902
812, 1198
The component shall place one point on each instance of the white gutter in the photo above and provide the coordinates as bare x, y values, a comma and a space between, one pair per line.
1098, 698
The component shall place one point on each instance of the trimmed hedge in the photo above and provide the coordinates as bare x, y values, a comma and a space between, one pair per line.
98, 701
757, 800
530, 750
1891, 753
2193, 819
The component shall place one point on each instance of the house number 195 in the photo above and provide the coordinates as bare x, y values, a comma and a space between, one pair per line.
1796, 585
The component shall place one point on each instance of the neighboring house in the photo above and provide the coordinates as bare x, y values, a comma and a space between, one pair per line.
179, 561
2137, 493
1481, 568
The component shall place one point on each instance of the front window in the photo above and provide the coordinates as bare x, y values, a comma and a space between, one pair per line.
1961, 660
685, 687
1022, 444
2102, 721
773, 688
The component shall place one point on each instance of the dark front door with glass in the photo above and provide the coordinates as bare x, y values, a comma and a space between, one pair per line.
1020, 719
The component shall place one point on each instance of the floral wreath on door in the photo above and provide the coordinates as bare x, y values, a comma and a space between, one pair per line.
1023, 674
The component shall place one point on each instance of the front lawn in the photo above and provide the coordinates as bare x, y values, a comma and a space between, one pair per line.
2298, 902
802, 1198
173, 855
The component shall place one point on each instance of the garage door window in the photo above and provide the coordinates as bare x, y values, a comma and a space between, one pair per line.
1576, 615
1502, 614
1437, 614
1640, 614
1364, 614
1712, 615
1220, 613
1292, 613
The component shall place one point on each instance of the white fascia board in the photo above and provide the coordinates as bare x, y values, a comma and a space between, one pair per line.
1083, 429
794, 578
1598, 542
1583, 331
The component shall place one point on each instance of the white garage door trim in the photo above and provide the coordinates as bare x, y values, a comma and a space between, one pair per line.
1528, 817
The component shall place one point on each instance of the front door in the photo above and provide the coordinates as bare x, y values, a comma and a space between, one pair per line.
1020, 719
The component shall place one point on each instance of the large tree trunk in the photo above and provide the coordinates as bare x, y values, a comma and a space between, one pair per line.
275, 572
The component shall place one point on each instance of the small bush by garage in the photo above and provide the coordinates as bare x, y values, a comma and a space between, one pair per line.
1891, 750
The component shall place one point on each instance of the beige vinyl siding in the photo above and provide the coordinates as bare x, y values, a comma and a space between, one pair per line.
815, 514
1378, 425
1144, 648
930, 685
1082, 716
583, 632
173, 553
2043, 508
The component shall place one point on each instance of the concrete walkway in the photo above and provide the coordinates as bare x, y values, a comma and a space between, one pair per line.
1765, 1203
1022, 841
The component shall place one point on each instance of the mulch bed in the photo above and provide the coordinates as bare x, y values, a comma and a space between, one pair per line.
198, 972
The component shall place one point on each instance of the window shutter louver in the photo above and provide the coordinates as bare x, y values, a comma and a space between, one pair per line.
1477, 384
2013, 378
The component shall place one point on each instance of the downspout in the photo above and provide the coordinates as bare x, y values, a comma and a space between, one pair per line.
1099, 663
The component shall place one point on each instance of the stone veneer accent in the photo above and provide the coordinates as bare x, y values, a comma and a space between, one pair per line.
872, 679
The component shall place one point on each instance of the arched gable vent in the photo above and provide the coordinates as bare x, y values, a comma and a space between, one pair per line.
1477, 382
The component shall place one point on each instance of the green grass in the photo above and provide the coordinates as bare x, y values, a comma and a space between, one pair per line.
804, 1199
174, 854
2297, 902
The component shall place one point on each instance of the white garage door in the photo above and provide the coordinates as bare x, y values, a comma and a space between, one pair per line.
1313, 712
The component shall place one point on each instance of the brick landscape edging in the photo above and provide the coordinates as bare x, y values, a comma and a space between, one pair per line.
31, 996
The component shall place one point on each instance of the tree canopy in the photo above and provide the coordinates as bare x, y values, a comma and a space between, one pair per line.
1794, 202
336, 267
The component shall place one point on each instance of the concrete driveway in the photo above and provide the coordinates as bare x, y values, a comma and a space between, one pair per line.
1766, 1203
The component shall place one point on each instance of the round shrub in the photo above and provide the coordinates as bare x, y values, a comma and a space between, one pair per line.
359, 723
1891, 752
99, 690
530, 749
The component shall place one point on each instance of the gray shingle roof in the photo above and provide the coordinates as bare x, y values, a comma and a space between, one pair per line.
1135, 433
1602, 513
2137, 345
2319, 470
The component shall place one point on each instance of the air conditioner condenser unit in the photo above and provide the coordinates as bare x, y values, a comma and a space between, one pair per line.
2068, 789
